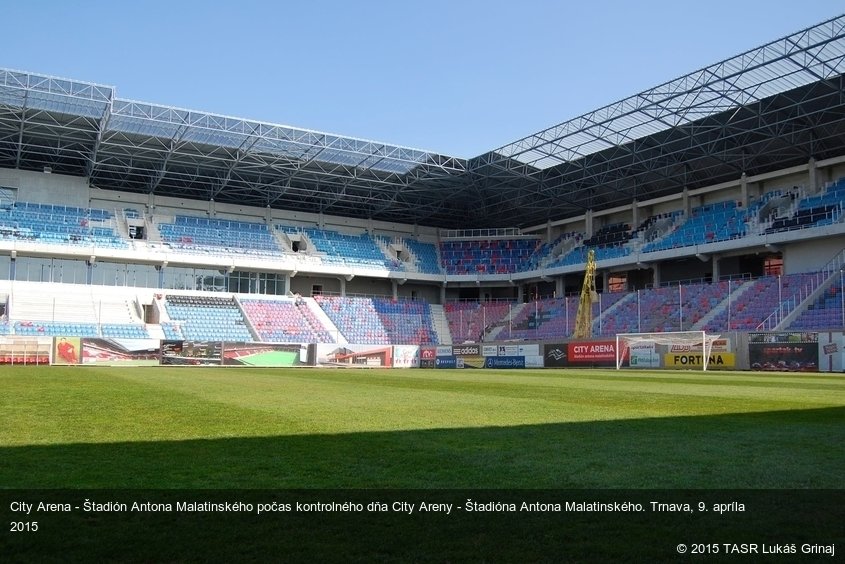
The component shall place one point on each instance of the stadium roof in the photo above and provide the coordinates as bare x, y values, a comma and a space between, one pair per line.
767, 108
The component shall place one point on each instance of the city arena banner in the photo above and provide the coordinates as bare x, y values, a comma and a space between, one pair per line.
191, 353
591, 353
579, 354
121, 352
788, 351
264, 354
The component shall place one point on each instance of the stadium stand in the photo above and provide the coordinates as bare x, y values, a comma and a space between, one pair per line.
342, 249
285, 321
706, 224
380, 320
758, 302
59, 225
470, 320
826, 312
199, 234
207, 318
74, 310
496, 256
418, 256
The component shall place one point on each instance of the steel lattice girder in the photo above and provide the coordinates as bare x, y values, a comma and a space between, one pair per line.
770, 107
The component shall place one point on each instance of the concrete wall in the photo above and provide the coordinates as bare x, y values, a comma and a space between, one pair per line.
807, 256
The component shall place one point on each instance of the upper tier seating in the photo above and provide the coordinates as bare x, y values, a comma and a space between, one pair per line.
62, 225
349, 250
707, 224
421, 257
285, 321
813, 211
200, 234
497, 256
204, 318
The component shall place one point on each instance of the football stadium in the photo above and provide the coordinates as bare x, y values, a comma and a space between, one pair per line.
648, 295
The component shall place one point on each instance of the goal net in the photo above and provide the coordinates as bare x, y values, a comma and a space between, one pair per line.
641, 350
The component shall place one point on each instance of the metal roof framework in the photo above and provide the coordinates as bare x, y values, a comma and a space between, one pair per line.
767, 108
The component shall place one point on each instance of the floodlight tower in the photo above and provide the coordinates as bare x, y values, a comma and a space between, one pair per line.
584, 320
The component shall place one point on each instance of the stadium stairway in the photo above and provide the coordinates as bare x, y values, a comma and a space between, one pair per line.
734, 294
441, 325
610, 311
500, 326
247, 321
326, 321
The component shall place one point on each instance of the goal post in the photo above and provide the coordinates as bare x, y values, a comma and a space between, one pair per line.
627, 343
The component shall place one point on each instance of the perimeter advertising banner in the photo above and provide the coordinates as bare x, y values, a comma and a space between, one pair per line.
555, 356
264, 354
691, 355
724, 360
427, 357
67, 350
580, 353
788, 351
643, 355
448, 362
121, 352
374, 356
504, 362
832, 351
192, 353
591, 353
467, 355
406, 356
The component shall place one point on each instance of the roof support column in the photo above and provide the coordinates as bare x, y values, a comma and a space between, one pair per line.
685, 202
812, 181
560, 287
743, 188
635, 214
588, 223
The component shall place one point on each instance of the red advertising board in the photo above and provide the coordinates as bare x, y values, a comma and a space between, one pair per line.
592, 351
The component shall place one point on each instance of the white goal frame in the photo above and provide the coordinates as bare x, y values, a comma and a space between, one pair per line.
691, 338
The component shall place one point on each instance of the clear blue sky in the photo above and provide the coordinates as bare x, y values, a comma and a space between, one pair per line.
455, 77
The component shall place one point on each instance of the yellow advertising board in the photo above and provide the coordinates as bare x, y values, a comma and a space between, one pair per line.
695, 360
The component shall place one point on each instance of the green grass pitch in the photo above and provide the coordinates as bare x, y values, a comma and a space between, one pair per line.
101, 427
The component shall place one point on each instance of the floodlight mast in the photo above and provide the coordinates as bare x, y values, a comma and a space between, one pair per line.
584, 319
